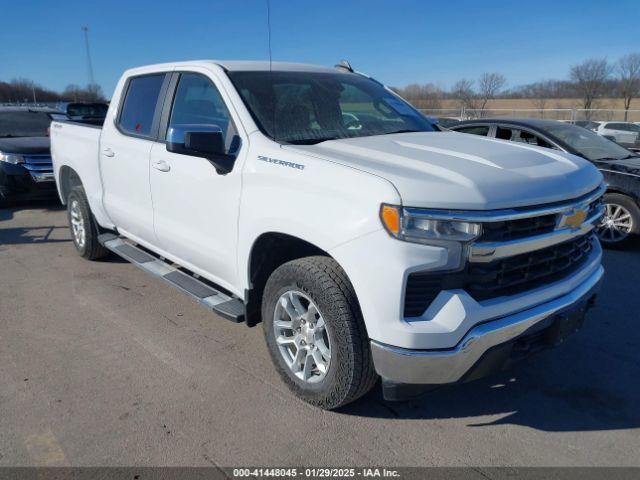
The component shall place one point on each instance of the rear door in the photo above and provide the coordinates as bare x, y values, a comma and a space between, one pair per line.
124, 155
195, 208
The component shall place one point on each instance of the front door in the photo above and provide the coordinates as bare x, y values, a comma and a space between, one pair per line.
195, 208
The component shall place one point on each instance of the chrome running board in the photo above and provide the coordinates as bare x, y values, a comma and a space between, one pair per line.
229, 307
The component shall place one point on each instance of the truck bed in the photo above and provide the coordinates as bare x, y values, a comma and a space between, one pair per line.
76, 145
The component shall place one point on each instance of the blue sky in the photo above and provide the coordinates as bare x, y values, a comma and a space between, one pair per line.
398, 42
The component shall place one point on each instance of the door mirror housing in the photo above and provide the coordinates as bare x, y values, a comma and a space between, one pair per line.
204, 141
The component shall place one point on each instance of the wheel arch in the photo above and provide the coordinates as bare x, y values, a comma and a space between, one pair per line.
268, 251
67, 179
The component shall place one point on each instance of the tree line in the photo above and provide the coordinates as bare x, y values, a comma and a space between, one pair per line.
588, 82
23, 90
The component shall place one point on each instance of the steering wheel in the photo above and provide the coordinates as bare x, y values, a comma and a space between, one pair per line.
351, 122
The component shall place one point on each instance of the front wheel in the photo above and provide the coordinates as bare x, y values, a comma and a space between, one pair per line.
315, 332
620, 222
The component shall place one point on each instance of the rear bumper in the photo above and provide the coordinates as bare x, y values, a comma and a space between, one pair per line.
474, 355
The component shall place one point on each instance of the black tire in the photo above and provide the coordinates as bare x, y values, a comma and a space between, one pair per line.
4, 201
91, 249
351, 373
628, 204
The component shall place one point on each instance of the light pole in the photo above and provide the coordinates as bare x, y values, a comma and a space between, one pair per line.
85, 30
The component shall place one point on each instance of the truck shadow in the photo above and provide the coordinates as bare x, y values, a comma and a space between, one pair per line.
588, 384
32, 234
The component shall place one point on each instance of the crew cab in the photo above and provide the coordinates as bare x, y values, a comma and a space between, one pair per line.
318, 202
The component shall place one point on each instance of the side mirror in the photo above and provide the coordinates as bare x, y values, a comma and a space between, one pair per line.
204, 141
207, 143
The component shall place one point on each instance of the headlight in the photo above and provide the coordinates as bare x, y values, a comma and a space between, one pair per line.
11, 158
419, 226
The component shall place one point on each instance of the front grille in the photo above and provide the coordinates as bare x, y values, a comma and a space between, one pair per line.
520, 228
508, 276
525, 227
526, 271
38, 163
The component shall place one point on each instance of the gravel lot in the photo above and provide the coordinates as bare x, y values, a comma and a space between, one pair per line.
101, 364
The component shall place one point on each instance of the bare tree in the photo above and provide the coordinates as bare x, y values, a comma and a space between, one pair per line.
75, 93
541, 93
590, 78
426, 96
628, 69
488, 86
463, 91
72, 93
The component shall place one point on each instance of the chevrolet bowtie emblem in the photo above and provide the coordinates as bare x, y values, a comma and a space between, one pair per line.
574, 218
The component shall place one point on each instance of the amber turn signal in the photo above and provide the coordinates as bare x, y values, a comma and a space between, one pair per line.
390, 217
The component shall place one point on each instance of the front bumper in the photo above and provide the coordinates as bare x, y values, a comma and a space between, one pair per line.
18, 183
441, 366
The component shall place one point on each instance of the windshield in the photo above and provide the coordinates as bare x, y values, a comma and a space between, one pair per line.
588, 144
311, 107
24, 123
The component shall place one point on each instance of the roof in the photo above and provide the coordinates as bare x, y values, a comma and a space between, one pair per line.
245, 66
239, 66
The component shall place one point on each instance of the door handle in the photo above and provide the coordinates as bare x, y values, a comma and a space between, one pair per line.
108, 152
161, 165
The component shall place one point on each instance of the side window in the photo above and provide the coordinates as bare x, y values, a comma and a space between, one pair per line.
480, 130
198, 102
140, 104
522, 136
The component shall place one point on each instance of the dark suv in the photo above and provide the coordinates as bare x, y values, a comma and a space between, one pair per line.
26, 171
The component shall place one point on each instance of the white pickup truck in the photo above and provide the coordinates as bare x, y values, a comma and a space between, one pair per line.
318, 202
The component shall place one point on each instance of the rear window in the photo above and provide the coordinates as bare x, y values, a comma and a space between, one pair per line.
140, 104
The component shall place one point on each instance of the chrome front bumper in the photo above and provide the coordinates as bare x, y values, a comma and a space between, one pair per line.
404, 366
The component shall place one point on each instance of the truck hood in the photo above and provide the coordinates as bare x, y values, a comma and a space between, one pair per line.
460, 171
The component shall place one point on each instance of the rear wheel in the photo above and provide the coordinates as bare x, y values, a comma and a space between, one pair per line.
315, 332
620, 222
84, 231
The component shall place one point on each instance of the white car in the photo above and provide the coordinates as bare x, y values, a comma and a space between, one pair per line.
626, 134
317, 201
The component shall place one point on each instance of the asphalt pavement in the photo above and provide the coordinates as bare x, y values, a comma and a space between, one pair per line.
101, 364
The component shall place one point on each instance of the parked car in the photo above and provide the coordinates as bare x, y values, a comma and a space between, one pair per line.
84, 111
368, 244
446, 122
626, 134
620, 167
26, 172
588, 124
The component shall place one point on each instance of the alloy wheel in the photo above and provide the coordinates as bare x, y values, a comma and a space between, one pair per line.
302, 337
616, 225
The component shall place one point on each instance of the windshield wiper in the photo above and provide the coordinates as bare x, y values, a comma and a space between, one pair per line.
408, 130
311, 141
